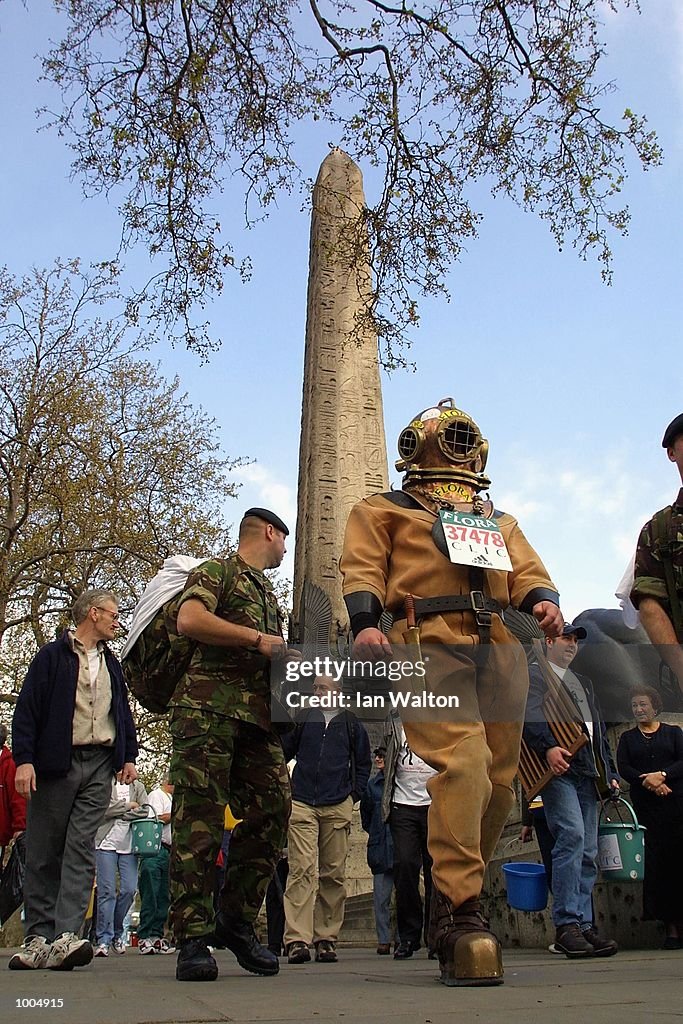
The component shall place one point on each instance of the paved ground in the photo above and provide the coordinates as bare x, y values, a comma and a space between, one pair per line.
630, 988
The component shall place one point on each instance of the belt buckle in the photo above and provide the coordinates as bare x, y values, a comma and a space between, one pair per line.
478, 602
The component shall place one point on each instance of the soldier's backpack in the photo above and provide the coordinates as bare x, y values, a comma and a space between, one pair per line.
158, 659
155, 656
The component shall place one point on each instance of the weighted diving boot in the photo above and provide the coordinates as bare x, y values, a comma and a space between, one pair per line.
469, 953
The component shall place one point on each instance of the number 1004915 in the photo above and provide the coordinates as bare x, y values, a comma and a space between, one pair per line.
40, 1003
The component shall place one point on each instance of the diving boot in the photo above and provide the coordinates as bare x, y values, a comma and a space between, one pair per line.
469, 954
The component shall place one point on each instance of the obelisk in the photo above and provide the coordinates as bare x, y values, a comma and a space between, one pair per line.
342, 453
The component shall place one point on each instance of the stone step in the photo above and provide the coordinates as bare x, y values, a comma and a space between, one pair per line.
359, 922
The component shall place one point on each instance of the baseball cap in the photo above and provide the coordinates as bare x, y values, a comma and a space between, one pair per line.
570, 630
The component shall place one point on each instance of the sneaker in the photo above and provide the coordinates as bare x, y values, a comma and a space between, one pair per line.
101, 950
164, 947
68, 951
298, 953
195, 962
602, 946
325, 952
32, 955
148, 947
384, 949
119, 946
552, 948
571, 942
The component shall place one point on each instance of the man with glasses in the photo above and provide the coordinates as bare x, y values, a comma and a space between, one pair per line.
72, 731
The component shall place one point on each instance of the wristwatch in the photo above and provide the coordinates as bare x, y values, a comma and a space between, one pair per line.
257, 641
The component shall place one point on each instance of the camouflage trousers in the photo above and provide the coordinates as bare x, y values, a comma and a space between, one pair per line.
218, 761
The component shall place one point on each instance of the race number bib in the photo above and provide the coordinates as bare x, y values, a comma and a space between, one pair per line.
474, 540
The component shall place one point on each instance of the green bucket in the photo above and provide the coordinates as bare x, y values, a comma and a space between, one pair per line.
621, 846
146, 833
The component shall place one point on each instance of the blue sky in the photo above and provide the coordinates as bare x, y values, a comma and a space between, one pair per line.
571, 381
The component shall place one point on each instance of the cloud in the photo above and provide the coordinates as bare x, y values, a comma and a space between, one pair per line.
584, 522
263, 487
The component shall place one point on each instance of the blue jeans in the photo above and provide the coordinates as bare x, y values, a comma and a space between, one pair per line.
112, 909
382, 886
571, 811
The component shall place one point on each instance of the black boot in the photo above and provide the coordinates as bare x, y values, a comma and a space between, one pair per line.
239, 937
195, 963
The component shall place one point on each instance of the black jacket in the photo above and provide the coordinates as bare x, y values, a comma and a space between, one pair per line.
42, 727
380, 843
331, 762
593, 759
663, 752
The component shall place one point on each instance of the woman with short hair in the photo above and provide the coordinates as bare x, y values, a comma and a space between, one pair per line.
650, 759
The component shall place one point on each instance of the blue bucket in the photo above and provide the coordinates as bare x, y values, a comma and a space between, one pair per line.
527, 886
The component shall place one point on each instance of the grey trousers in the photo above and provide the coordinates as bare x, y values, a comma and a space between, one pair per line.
63, 816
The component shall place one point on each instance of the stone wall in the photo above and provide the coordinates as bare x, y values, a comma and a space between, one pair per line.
618, 905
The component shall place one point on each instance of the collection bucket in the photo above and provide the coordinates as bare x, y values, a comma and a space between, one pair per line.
527, 886
621, 846
146, 834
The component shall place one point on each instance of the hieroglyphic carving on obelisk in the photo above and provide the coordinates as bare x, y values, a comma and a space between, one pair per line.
342, 454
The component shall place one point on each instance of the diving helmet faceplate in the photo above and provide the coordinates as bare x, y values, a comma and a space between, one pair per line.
443, 443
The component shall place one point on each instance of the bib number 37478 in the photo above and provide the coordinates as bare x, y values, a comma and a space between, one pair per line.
474, 540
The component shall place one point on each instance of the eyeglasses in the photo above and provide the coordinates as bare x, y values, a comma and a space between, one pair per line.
114, 615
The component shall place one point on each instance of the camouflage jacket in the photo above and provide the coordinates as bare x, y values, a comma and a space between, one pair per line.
649, 569
229, 681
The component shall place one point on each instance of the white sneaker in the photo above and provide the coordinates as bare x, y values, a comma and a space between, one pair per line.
32, 955
119, 946
148, 947
162, 946
102, 949
68, 951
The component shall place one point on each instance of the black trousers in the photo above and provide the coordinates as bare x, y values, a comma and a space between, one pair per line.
275, 911
409, 833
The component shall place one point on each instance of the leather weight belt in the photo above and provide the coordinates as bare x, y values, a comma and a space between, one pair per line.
476, 601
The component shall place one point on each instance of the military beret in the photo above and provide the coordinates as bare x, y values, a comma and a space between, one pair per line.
674, 430
268, 517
